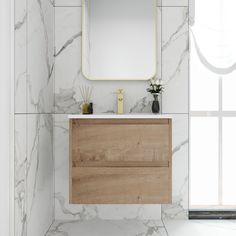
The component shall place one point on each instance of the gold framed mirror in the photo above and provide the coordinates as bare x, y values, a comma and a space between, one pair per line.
119, 39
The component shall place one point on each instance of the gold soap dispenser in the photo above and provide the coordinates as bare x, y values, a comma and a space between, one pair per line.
120, 101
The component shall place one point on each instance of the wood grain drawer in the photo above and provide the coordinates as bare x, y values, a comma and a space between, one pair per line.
96, 185
120, 141
120, 161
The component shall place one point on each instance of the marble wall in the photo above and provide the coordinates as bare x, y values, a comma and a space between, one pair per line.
173, 49
47, 80
40, 57
34, 81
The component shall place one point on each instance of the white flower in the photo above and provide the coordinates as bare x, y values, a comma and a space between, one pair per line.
155, 81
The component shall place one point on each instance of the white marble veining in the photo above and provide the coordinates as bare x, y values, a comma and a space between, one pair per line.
120, 116
34, 61
40, 60
107, 227
20, 55
39, 173
34, 202
20, 162
179, 207
175, 68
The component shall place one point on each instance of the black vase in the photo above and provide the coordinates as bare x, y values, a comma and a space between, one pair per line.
155, 105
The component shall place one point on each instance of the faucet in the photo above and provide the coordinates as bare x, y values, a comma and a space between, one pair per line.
120, 101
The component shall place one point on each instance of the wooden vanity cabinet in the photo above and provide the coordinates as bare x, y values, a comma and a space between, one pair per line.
120, 161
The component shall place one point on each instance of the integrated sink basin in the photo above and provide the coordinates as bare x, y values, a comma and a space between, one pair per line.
120, 116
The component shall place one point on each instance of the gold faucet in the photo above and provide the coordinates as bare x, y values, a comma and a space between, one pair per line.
120, 101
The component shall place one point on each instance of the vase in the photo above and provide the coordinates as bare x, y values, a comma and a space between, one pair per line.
155, 104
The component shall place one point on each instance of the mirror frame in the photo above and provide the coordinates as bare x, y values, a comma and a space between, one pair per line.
117, 79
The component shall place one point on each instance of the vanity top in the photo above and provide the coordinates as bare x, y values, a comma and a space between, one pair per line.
123, 116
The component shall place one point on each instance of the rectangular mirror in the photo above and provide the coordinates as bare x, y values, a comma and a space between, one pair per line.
119, 39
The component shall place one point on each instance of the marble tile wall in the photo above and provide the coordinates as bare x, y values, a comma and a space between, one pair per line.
39, 175
46, 92
20, 56
20, 139
172, 40
34, 188
34, 81
20, 165
34, 56
175, 74
179, 207
40, 58
175, 68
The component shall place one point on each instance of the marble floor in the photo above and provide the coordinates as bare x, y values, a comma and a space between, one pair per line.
99, 227
200, 227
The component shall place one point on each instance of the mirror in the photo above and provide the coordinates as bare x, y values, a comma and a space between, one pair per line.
119, 39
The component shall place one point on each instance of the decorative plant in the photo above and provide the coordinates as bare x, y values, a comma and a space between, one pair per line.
155, 87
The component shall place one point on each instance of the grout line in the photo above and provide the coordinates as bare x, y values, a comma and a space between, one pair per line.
67, 6
174, 6
175, 113
102, 113
43, 113
27, 56
70, 113
26, 174
81, 6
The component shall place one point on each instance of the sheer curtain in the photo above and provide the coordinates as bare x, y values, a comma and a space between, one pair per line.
213, 104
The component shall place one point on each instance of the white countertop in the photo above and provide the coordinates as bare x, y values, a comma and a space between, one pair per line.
116, 116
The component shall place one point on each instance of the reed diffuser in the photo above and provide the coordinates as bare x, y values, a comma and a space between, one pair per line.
86, 93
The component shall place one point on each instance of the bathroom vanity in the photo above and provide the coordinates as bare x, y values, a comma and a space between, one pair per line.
120, 159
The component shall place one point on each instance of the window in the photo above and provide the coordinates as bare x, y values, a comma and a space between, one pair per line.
213, 105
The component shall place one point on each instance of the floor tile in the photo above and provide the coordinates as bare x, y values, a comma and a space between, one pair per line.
107, 228
200, 227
